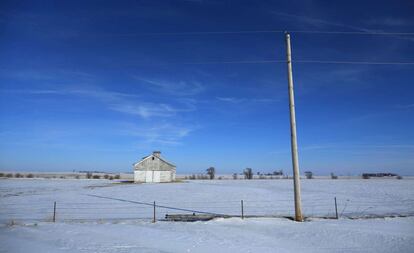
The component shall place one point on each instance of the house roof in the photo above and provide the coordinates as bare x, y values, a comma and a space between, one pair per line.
146, 157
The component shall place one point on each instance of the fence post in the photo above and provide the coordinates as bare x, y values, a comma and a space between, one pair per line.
153, 219
336, 209
54, 211
242, 210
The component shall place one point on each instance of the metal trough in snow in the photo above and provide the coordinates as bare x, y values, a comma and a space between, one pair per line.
190, 217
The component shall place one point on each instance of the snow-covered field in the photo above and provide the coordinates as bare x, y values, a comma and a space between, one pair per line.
28, 200
95, 216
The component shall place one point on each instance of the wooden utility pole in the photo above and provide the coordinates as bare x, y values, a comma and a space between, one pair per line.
294, 144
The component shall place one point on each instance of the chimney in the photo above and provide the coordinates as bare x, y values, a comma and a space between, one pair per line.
156, 153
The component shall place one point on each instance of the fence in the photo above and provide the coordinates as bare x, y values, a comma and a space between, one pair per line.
107, 208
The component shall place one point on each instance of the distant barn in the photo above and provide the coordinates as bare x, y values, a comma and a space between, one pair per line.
154, 169
383, 174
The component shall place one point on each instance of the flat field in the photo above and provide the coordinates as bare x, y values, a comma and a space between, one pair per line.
104, 216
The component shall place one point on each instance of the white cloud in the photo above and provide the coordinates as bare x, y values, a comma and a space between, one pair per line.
164, 128
121, 102
47, 74
231, 99
342, 146
158, 131
389, 21
317, 21
146, 110
405, 106
322, 23
162, 134
179, 88
235, 100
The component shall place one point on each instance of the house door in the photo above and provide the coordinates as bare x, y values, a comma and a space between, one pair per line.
156, 177
149, 176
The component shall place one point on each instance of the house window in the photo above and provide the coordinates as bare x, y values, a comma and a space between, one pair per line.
153, 158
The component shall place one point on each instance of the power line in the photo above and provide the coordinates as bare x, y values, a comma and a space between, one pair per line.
295, 61
164, 64
261, 31
355, 33
233, 62
355, 62
194, 33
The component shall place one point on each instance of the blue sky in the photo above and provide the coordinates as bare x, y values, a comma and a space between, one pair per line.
96, 85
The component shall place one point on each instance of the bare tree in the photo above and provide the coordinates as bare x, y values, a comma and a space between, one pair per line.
248, 173
278, 173
211, 172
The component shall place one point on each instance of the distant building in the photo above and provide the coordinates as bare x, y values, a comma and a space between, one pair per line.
308, 174
154, 169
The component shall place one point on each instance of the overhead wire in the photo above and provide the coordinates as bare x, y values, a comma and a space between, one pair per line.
258, 31
282, 61
382, 33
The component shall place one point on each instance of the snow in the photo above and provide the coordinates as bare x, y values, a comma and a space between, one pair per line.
86, 222
222, 235
87, 199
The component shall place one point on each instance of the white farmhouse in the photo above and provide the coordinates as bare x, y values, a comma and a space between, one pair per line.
154, 169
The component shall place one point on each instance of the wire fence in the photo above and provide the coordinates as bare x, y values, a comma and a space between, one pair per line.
121, 209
